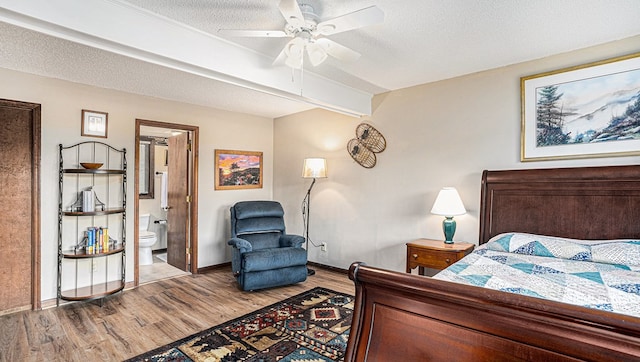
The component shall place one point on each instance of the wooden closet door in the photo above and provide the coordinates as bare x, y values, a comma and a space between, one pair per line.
19, 206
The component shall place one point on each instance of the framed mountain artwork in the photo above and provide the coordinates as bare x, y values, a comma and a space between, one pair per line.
586, 111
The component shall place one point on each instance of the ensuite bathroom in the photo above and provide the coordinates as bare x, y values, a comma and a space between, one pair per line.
153, 207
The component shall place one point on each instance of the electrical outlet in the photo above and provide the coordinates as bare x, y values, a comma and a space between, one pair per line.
323, 247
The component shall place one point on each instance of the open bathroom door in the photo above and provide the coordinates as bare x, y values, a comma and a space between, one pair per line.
178, 213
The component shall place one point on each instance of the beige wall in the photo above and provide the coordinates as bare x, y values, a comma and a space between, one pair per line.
62, 103
439, 134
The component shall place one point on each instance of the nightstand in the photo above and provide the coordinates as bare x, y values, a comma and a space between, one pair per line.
434, 254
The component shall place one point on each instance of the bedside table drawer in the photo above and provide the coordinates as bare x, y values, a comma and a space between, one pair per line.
434, 254
430, 258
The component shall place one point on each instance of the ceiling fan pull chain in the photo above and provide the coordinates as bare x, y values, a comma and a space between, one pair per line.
302, 74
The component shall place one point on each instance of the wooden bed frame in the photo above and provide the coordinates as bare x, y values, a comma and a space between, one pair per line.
404, 317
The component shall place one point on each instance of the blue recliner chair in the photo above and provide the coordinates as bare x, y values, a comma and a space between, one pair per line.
264, 255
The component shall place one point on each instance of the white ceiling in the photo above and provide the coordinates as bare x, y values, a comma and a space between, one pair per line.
420, 41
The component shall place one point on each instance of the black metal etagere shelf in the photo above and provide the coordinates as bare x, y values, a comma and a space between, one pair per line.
91, 229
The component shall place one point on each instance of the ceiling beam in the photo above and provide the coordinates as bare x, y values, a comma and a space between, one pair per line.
124, 29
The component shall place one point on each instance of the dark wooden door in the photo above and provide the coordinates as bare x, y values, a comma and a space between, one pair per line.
19, 205
178, 213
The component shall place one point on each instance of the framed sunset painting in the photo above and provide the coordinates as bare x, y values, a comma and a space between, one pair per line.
238, 170
587, 111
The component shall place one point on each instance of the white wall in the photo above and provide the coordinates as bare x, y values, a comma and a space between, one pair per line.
439, 134
62, 103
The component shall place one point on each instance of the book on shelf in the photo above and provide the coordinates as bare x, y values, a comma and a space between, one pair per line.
96, 240
88, 201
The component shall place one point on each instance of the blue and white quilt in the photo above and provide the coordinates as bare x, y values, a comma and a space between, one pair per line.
602, 274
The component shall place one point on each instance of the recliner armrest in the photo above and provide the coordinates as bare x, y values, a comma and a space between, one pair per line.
242, 245
288, 240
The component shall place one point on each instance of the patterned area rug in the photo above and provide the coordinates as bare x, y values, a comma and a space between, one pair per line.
311, 326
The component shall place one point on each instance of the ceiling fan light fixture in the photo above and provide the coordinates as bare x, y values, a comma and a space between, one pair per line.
317, 55
295, 52
308, 32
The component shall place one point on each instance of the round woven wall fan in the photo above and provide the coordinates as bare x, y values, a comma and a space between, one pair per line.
367, 143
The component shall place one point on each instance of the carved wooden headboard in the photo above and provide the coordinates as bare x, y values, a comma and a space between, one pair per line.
581, 203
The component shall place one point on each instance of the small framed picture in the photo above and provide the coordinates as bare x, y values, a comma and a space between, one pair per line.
238, 170
94, 124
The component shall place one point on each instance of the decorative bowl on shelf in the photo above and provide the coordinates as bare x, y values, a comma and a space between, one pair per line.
91, 165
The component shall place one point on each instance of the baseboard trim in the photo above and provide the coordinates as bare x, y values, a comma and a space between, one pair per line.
50, 303
16, 310
328, 267
312, 264
214, 267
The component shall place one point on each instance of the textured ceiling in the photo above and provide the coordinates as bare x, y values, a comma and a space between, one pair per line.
40, 54
420, 41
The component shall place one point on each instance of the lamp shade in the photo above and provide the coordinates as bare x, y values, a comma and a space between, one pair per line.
295, 53
314, 168
448, 203
316, 54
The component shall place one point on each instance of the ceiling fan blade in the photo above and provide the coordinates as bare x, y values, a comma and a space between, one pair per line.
357, 19
291, 12
254, 33
338, 51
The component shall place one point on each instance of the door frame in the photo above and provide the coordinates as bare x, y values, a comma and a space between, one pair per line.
193, 208
36, 136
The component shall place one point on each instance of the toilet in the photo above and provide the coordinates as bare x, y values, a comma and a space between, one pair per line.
146, 239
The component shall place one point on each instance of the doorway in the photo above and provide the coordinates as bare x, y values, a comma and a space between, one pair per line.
165, 200
19, 205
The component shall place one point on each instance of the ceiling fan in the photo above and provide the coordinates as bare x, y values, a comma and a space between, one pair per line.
309, 33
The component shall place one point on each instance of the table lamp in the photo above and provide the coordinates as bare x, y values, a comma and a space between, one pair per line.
448, 204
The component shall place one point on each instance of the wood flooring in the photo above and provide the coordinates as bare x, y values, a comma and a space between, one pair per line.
143, 318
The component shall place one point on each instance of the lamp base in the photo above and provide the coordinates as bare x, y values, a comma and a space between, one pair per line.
449, 228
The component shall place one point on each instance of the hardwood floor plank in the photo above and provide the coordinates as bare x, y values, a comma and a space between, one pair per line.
13, 338
41, 328
141, 319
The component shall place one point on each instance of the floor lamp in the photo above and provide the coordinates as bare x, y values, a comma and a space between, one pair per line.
312, 168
